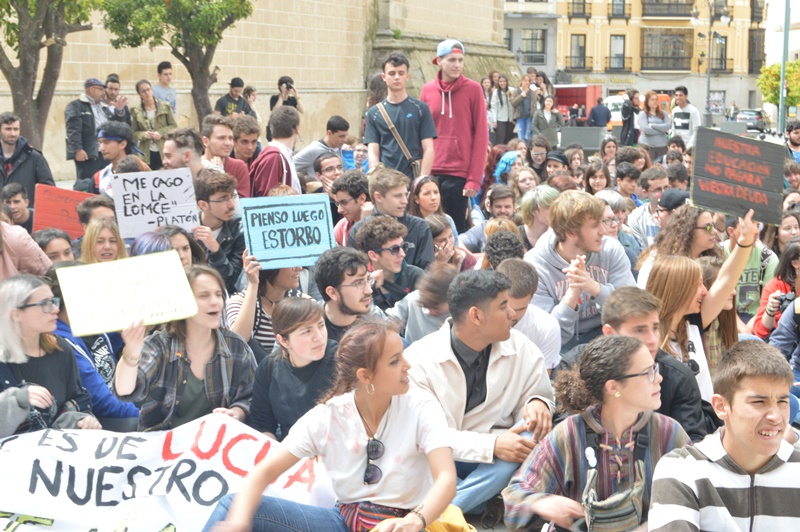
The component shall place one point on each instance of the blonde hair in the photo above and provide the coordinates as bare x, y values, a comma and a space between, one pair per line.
93, 233
571, 209
14, 292
671, 281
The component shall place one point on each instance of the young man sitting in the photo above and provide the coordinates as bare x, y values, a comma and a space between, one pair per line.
351, 197
382, 238
501, 205
389, 192
578, 266
16, 198
745, 476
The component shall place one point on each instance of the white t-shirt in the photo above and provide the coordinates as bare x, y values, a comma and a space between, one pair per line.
698, 354
543, 330
413, 426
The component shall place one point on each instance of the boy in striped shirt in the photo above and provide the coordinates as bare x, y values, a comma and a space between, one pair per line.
744, 476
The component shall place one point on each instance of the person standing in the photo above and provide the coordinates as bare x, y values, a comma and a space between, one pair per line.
233, 103
22, 163
548, 121
397, 118
503, 111
162, 89
82, 118
733, 111
151, 122
630, 109
685, 117
525, 105
112, 101
459, 113
654, 124
599, 116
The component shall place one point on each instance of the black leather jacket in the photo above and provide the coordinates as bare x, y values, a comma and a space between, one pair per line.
228, 258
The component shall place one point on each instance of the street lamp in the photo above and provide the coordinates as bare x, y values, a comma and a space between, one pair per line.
725, 19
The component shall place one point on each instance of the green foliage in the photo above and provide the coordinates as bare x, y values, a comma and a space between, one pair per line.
68, 11
177, 23
769, 83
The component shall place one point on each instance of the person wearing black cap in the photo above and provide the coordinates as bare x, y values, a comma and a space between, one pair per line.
670, 199
82, 118
233, 103
556, 160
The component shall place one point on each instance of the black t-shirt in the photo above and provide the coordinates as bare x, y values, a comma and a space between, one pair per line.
335, 332
227, 106
282, 393
291, 101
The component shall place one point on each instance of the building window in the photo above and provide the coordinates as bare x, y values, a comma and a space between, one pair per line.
533, 47
757, 54
577, 59
719, 51
667, 49
507, 37
616, 55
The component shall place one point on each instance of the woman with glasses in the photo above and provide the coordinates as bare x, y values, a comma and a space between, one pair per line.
151, 122
249, 313
611, 444
538, 149
614, 218
293, 378
690, 233
36, 366
688, 308
191, 368
385, 448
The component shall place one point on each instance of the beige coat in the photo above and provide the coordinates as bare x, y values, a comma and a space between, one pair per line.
20, 253
516, 375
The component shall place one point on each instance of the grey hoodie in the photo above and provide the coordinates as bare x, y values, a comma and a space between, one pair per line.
611, 268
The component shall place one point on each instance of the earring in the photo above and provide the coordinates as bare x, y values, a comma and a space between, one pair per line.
617, 394
371, 389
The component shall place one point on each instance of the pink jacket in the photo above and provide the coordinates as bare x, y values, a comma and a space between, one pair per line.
20, 253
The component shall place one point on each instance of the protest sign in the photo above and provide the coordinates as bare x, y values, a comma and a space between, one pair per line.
140, 481
147, 200
733, 174
109, 296
287, 231
57, 208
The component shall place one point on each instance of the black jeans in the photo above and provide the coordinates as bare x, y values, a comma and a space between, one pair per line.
454, 202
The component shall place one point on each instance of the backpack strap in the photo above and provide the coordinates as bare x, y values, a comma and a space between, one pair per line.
395, 133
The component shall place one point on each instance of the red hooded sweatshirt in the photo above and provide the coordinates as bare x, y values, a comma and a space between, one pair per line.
459, 112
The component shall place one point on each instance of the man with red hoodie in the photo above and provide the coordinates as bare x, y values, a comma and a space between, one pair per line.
459, 112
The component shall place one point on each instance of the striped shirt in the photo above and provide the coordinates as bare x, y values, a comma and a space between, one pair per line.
558, 465
702, 488
262, 325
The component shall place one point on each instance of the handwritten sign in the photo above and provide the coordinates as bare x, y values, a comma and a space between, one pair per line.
147, 200
287, 231
57, 208
140, 481
109, 296
733, 174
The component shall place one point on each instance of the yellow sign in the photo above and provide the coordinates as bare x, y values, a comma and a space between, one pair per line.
109, 296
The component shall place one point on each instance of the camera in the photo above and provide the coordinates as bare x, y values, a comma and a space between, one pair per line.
288, 86
785, 300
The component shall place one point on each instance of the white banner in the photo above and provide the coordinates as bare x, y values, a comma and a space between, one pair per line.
142, 481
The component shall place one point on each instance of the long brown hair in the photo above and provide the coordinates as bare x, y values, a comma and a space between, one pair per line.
728, 326
659, 112
676, 238
673, 280
416, 190
360, 347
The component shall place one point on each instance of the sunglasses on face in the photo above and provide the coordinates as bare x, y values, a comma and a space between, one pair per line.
395, 250
373, 473
709, 228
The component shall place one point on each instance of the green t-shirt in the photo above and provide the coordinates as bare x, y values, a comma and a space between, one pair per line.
755, 275
193, 403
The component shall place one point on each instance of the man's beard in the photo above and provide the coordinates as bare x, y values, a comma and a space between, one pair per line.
347, 311
795, 147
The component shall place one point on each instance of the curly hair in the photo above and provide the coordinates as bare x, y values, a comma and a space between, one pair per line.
676, 238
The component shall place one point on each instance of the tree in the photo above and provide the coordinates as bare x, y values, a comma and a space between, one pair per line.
769, 83
191, 28
28, 26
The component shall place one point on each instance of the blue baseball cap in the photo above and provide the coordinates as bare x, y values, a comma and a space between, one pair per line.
93, 82
448, 46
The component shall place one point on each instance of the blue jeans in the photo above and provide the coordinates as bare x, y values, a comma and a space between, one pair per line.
478, 483
274, 514
524, 129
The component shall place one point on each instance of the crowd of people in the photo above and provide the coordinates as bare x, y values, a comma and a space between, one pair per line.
517, 329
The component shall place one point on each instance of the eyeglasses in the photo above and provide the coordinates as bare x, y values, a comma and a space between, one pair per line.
538, 154
332, 168
395, 250
343, 203
46, 305
708, 228
661, 210
225, 199
361, 283
611, 222
650, 374
373, 473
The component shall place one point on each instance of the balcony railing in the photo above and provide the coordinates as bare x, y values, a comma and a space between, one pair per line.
579, 10
718, 9
757, 10
722, 64
619, 10
664, 9
580, 63
618, 63
653, 62
530, 58
755, 65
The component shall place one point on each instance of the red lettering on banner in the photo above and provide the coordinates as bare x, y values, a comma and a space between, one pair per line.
166, 450
737, 147
263, 452
214, 448
226, 461
307, 467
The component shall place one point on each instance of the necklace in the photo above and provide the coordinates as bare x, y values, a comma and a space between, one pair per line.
372, 434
